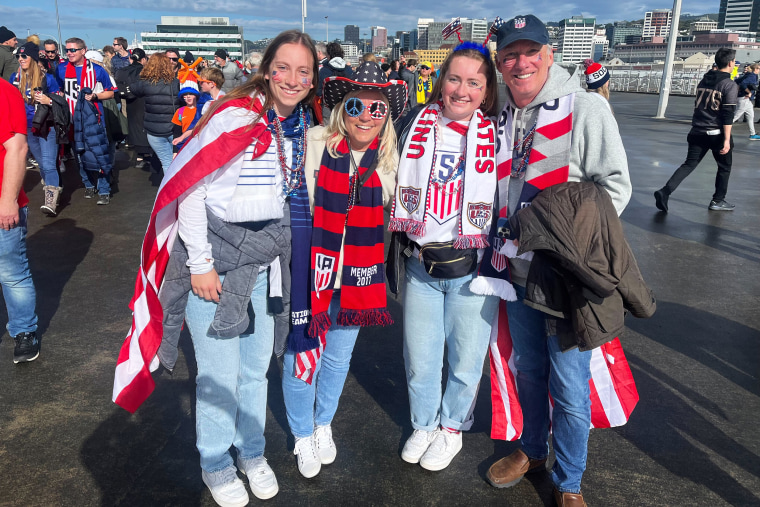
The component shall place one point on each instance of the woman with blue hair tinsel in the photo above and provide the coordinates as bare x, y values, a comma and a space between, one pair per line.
442, 213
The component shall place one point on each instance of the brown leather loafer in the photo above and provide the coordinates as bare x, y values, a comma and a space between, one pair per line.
569, 499
510, 470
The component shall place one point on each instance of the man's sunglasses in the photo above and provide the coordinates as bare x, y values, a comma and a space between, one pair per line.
72, 50
51, 52
173, 59
424, 67
354, 107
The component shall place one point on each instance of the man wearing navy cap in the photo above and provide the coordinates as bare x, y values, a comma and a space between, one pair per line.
550, 132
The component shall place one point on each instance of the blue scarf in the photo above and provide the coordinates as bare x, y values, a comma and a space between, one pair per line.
300, 219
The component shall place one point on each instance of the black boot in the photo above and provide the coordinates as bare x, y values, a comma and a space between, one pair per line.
661, 199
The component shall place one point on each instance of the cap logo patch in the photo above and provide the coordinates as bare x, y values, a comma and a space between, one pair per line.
519, 23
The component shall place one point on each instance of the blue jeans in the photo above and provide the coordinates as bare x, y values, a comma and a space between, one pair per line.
163, 148
441, 313
316, 403
543, 367
16, 279
45, 152
99, 178
231, 386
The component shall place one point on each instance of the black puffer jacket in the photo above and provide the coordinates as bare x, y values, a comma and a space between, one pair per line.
161, 101
583, 270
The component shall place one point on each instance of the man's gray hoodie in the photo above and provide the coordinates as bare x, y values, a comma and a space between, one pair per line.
596, 152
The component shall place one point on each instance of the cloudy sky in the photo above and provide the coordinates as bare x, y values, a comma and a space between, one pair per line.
98, 22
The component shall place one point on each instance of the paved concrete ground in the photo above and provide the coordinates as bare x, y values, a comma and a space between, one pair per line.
692, 440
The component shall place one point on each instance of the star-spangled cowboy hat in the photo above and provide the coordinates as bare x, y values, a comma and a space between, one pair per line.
367, 76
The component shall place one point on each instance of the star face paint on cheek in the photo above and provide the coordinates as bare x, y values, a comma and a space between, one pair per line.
540, 58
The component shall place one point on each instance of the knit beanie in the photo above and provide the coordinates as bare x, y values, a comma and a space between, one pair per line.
596, 74
189, 85
31, 50
5, 34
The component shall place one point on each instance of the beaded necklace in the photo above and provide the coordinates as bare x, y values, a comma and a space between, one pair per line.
292, 178
439, 184
525, 147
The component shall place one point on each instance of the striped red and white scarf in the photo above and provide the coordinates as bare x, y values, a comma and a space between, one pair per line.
226, 135
612, 388
411, 204
72, 87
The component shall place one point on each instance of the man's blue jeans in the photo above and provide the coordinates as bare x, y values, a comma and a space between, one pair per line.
99, 178
543, 367
16, 280
313, 404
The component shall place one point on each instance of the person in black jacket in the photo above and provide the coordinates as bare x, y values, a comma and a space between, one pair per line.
159, 86
126, 76
710, 131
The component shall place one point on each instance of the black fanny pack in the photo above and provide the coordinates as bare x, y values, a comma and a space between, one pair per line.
442, 260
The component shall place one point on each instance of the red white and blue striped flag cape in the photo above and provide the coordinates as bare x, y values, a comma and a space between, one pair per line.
613, 390
226, 135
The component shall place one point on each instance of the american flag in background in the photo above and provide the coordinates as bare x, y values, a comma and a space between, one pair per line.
451, 28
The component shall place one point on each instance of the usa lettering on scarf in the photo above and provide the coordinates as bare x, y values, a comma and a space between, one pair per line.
411, 205
71, 86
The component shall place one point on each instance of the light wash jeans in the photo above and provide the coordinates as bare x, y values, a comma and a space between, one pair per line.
231, 386
163, 148
99, 178
16, 279
745, 107
438, 314
543, 367
313, 404
45, 152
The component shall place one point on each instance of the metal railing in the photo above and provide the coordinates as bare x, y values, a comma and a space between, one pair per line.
632, 79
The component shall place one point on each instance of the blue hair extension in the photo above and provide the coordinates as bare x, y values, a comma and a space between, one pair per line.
475, 46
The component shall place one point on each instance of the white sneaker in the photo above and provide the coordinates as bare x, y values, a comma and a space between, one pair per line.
443, 449
261, 477
325, 445
226, 488
417, 444
308, 461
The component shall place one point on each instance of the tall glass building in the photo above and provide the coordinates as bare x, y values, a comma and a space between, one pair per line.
199, 35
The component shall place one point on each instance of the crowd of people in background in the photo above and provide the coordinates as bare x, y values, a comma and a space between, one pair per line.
314, 151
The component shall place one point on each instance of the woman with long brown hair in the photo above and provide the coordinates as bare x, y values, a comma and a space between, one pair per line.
36, 86
159, 87
236, 196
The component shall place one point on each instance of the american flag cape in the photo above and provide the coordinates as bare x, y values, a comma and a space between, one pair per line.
613, 390
229, 132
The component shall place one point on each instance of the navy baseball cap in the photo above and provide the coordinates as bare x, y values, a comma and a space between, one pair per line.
527, 27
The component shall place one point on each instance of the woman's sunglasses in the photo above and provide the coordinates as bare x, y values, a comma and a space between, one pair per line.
355, 107
18, 57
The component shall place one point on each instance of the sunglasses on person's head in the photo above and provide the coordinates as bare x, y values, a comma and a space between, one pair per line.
72, 50
355, 106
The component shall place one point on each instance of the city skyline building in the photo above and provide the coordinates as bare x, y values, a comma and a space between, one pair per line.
576, 35
422, 29
379, 35
351, 34
739, 14
200, 35
657, 23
